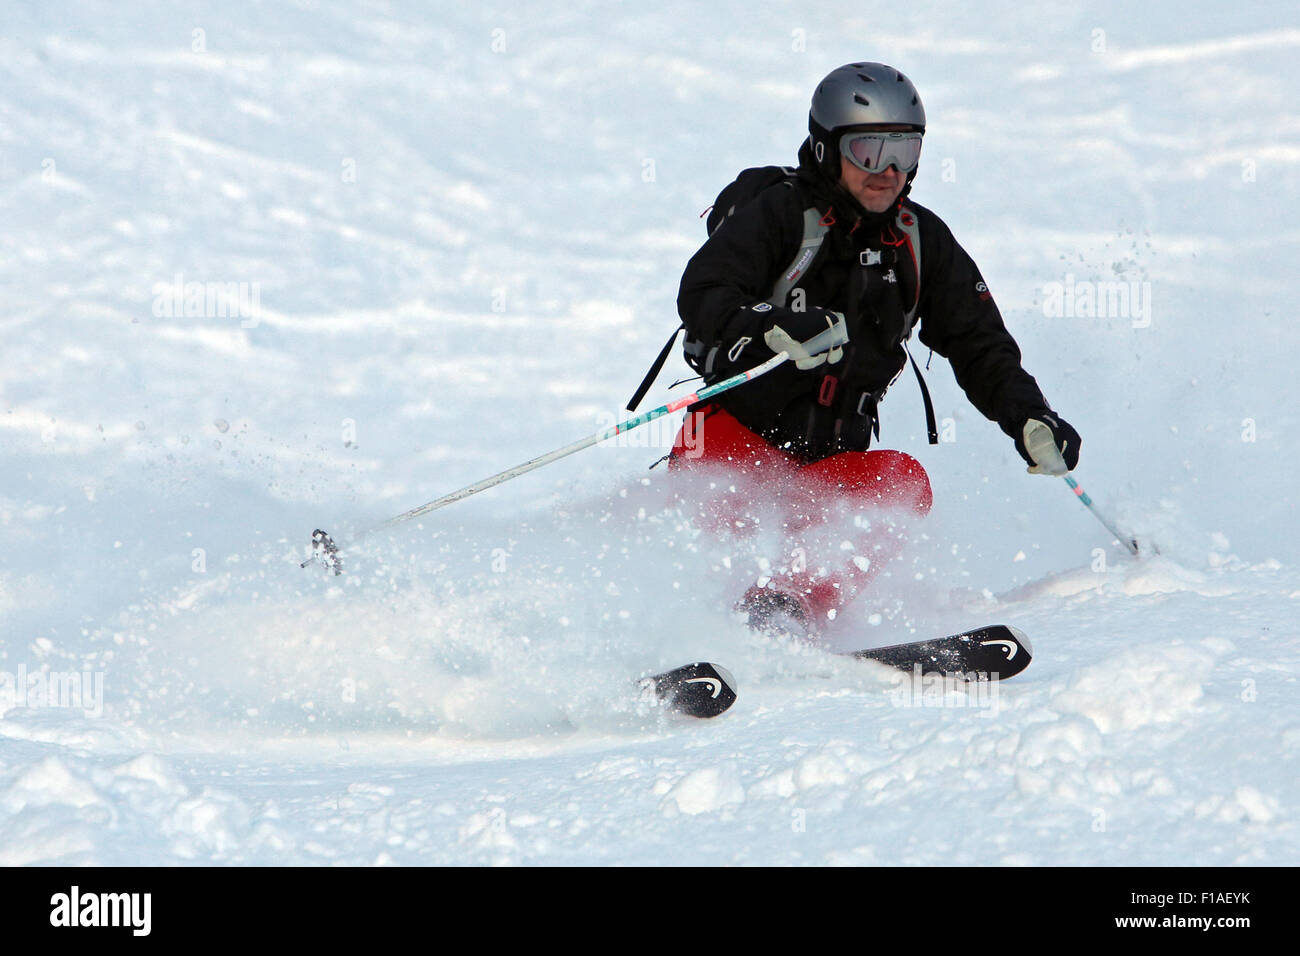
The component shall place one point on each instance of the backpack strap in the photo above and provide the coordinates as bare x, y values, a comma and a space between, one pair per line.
815, 228
700, 354
911, 231
931, 426
655, 369
814, 234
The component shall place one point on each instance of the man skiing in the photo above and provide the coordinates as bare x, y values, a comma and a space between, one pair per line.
836, 245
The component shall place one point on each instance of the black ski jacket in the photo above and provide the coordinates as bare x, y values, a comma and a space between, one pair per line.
802, 411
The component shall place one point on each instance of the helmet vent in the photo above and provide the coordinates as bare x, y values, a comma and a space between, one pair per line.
866, 79
859, 98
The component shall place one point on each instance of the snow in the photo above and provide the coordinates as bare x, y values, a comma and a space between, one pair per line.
269, 270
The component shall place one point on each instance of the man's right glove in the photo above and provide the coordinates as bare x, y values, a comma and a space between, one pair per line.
1049, 444
811, 338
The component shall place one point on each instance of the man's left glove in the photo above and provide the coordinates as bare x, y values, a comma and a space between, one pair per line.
1049, 444
813, 338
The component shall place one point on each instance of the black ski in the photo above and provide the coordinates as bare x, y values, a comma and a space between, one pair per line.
995, 652
697, 690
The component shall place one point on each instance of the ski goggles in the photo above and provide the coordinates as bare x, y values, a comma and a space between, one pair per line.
876, 152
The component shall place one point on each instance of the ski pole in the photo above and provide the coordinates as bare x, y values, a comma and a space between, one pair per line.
329, 551
1128, 542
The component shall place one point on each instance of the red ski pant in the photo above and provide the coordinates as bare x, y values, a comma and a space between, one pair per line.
805, 494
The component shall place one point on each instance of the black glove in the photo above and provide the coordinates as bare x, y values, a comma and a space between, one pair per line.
812, 338
1048, 443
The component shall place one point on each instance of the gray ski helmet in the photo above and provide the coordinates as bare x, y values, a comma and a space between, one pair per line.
859, 95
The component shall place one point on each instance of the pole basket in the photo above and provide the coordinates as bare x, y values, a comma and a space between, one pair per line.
324, 551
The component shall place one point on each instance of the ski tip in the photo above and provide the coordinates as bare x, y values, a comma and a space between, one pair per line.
702, 689
1022, 637
326, 551
728, 679
1008, 660
994, 652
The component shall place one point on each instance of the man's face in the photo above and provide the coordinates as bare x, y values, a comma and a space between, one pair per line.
875, 191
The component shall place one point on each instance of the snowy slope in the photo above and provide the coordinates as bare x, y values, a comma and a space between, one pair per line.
457, 235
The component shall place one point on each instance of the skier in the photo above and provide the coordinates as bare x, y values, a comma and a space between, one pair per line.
836, 244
